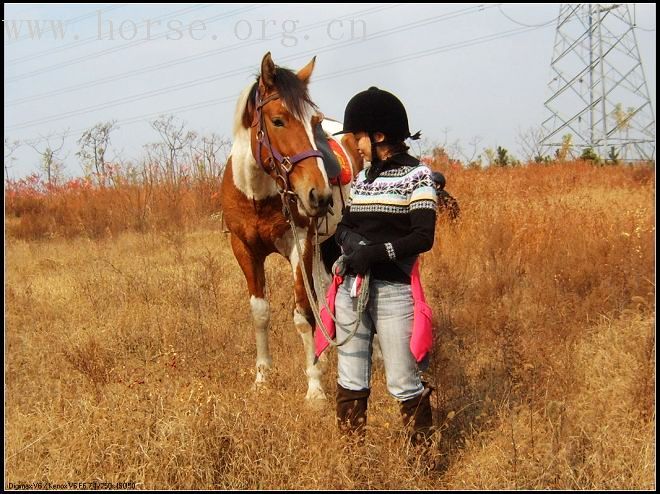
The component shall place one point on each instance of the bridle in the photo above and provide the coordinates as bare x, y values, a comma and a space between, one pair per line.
277, 164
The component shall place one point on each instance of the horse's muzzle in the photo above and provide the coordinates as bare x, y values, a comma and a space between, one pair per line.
319, 202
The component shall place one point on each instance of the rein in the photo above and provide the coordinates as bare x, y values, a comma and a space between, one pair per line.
363, 294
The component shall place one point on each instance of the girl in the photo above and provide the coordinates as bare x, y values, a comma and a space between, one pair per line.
388, 221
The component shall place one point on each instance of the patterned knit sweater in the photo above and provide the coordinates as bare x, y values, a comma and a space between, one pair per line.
398, 210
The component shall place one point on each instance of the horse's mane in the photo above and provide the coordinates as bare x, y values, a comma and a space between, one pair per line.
291, 89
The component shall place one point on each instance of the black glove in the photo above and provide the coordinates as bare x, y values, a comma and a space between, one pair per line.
365, 256
350, 241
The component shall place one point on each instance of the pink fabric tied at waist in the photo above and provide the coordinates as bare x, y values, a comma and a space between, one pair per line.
422, 334
320, 342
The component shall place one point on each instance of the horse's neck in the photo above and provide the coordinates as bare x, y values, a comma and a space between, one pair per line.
249, 177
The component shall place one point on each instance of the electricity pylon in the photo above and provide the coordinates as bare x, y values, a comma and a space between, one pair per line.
599, 91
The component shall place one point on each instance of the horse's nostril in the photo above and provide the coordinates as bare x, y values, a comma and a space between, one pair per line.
319, 201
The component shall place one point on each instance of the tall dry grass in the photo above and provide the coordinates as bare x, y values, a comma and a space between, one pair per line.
130, 357
35, 209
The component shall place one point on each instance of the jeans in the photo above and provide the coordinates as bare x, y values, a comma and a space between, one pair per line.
390, 313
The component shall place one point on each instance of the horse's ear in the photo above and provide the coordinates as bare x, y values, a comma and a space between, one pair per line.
306, 72
268, 71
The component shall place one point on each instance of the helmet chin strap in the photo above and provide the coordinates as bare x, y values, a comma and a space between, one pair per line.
376, 163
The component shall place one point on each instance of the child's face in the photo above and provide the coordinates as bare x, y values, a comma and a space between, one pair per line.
364, 145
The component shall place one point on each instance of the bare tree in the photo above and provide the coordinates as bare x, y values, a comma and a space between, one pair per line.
175, 140
469, 156
530, 142
209, 155
10, 149
490, 155
51, 161
94, 144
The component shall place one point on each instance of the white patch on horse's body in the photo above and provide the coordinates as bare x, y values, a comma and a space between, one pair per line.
313, 371
332, 127
249, 177
286, 246
300, 321
261, 316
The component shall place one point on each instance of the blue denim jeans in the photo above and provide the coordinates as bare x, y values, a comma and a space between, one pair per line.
390, 313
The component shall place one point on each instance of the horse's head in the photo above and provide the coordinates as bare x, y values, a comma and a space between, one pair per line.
282, 117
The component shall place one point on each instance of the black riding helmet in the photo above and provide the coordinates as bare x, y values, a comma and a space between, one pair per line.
375, 110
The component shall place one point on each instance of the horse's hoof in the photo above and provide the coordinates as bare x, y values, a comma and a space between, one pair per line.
260, 387
315, 395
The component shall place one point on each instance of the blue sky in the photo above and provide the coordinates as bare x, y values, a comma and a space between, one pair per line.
464, 71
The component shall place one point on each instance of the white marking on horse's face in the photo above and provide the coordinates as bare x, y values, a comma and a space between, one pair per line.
304, 198
307, 123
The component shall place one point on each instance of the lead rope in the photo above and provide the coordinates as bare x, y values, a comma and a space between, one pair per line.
363, 295
316, 263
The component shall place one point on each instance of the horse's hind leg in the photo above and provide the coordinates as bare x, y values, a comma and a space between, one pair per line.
253, 269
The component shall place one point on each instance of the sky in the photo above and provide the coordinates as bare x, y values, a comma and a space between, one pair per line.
471, 76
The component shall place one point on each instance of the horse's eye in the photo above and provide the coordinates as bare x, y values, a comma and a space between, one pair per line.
278, 122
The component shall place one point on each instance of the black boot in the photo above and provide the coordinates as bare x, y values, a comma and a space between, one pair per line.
352, 410
418, 416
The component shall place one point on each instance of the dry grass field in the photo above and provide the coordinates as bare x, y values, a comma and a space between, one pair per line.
129, 353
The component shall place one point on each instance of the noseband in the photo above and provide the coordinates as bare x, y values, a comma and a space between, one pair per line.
276, 163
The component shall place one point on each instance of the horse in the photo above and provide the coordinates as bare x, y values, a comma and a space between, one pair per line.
274, 182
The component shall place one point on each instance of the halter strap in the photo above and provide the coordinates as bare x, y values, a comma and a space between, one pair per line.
276, 162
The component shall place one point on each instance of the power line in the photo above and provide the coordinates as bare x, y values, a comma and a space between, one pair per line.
117, 48
243, 70
634, 23
69, 22
91, 39
526, 25
341, 73
187, 59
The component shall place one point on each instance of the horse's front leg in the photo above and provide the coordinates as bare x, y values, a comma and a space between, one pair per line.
253, 269
303, 317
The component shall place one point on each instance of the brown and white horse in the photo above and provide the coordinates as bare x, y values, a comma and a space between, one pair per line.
274, 158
